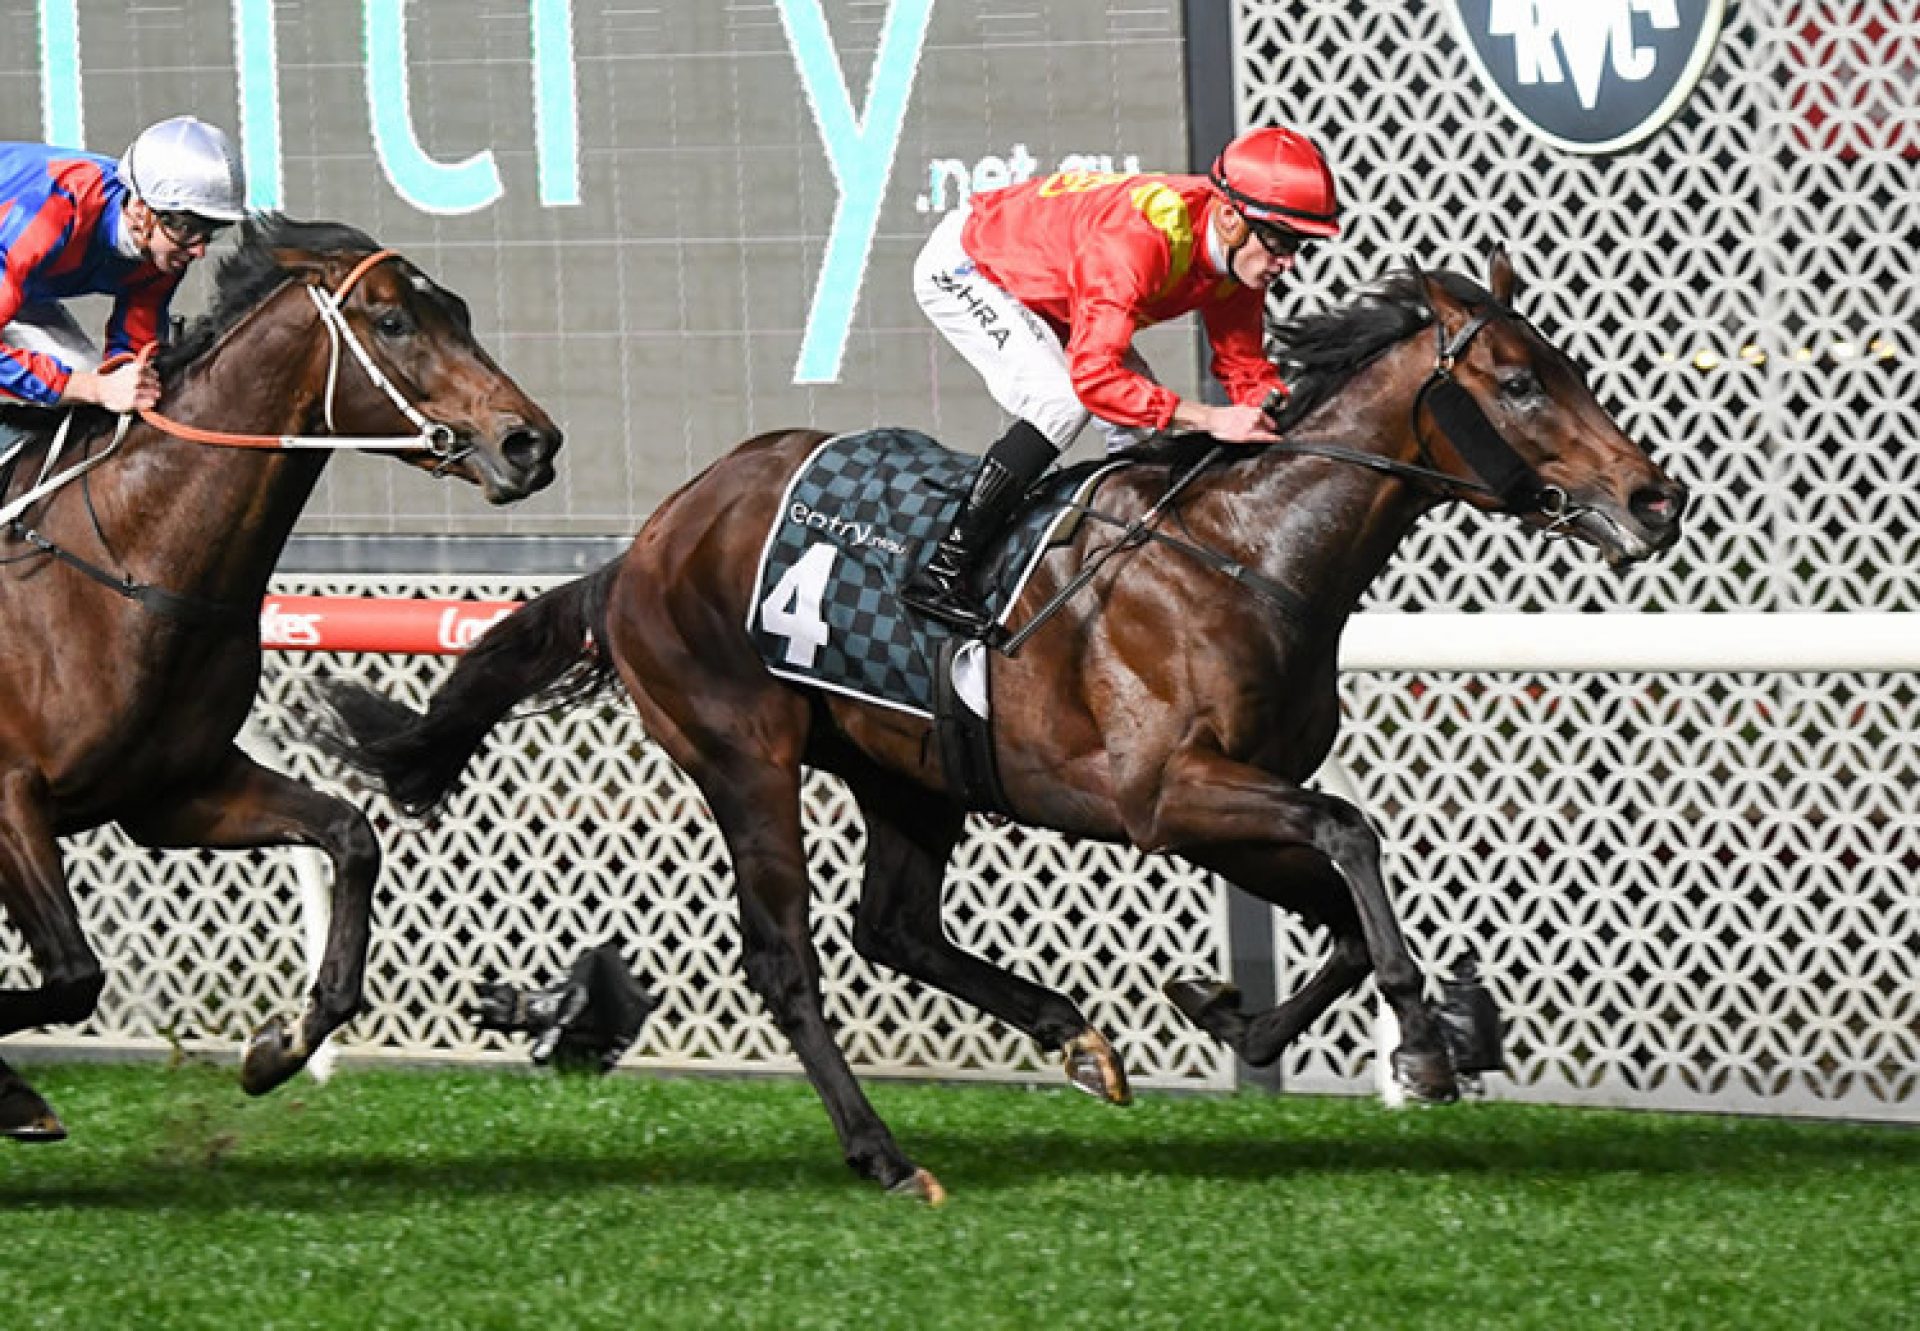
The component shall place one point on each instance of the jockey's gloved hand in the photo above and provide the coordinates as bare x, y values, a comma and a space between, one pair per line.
1275, 403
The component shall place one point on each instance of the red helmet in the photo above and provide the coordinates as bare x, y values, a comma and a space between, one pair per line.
1276, 175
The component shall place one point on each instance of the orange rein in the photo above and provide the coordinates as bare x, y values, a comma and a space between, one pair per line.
223, 438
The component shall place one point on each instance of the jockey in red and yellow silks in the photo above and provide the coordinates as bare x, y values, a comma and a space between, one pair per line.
1043, 285
74, 223
1100, 257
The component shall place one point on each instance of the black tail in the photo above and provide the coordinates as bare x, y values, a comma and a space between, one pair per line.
549, 646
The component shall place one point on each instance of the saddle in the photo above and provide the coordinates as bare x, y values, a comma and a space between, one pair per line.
857, 518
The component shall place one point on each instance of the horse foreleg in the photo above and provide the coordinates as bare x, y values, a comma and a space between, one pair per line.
1308, 891
910, 837
760, 818
249, 806
34, 895
1207, 801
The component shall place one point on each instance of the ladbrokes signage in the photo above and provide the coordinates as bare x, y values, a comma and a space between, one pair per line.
1589, 76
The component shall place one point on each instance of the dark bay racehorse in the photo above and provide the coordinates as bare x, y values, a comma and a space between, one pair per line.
130, 597
1177, 703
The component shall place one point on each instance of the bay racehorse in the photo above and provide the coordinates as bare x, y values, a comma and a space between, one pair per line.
131, 593
1178, 701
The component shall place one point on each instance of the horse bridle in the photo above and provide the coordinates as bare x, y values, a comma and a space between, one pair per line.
1500, 471
431, 437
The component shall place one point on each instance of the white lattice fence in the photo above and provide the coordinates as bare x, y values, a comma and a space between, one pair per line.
1688, 890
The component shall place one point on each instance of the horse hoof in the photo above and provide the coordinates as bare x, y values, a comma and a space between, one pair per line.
270, 1059
1093, 1066
921, 1185
44, 1126
25, 1117
1426, 1076
1212, 1005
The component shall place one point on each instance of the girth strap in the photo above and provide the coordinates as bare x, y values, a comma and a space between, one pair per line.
171, 605
965, 739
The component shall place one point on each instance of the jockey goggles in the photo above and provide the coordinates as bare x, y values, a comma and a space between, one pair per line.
1279, 241
189, 229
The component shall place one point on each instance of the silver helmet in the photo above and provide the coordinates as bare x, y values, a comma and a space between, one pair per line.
184, 165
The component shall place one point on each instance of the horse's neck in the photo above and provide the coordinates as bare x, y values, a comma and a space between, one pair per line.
1328, 533
217, 518
1327, 529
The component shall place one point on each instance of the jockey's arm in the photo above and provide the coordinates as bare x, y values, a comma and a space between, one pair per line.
1102, 332
1236, 332
1105, 319
1236, 423
130, 386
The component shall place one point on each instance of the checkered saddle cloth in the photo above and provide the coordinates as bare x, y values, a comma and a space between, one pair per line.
857, 519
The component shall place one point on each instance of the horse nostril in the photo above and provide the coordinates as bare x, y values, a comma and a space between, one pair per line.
1658, 506
527, 448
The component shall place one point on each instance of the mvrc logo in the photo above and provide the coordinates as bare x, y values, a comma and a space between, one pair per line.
1590, 76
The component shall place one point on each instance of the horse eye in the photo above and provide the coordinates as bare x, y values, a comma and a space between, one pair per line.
393, 323
1520, 387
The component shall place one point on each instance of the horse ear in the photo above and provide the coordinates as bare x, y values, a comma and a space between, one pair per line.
1502, 280
1431, 292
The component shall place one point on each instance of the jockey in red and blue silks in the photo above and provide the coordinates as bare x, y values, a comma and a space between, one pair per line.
74, 223
1042, 286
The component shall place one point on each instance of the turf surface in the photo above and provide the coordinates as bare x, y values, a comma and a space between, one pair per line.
392, 1199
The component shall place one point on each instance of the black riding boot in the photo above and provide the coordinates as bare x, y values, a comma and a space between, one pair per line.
939, 590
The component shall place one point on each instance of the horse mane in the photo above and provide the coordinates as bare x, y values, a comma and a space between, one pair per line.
1319, 353
241, 280
252, 272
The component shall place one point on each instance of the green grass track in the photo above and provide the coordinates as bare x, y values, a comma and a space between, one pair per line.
400, 1199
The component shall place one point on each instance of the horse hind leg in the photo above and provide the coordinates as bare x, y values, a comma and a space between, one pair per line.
910, 837
248, 806
34, 895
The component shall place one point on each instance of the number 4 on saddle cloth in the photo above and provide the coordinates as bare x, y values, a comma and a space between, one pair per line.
861, 514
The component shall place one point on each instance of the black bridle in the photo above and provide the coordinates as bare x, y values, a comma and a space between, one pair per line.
1501, 471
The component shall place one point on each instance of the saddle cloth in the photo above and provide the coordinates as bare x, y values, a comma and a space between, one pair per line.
858, 517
